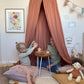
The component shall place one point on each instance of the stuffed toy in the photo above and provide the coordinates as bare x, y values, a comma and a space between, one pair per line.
74, 53
39, 49
75, 72
15, 83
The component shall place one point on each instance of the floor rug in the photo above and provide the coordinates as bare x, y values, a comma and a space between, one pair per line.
62, 79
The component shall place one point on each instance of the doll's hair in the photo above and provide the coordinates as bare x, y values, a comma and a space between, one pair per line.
77, 60
18, 45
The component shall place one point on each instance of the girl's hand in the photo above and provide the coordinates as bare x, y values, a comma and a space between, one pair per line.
33, 42
49, 66
35, 45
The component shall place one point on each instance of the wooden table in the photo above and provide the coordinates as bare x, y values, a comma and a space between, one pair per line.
41, 54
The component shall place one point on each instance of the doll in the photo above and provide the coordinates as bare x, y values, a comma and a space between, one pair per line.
75, 72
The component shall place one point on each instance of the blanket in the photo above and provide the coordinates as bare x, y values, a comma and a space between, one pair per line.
62, 79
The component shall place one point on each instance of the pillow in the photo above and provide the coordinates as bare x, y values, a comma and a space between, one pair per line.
15, 75
82, 69
63, 69
66, 67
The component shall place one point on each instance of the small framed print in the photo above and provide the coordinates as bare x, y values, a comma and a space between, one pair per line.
72, 24
14, 20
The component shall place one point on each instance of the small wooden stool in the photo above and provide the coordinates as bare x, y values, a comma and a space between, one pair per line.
41, 54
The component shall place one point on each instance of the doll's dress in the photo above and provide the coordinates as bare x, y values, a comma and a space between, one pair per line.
75, 73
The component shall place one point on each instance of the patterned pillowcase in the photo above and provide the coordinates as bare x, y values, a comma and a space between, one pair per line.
15, 75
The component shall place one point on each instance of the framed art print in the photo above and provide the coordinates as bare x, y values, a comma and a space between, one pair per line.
14, 20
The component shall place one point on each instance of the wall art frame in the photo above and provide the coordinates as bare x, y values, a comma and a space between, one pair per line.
14, 20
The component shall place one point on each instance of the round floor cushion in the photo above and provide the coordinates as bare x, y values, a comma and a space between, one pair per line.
45, 78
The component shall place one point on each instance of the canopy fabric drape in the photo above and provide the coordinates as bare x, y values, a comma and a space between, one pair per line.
42, 30
43, 22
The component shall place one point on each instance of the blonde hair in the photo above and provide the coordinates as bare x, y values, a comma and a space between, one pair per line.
19, 44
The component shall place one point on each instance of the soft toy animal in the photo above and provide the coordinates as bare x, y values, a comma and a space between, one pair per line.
75, 72
74, 53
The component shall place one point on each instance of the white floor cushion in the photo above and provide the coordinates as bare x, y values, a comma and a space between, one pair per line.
45, 78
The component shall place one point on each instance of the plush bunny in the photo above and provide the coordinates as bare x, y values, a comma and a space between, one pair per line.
74, 53
75, 72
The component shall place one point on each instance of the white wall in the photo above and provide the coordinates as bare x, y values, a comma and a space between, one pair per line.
7, 40
8, 51
66, 17
0, 44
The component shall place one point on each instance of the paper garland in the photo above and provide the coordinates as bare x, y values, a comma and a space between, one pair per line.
73, 7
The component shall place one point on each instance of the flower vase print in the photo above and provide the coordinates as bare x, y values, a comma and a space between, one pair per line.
14, 20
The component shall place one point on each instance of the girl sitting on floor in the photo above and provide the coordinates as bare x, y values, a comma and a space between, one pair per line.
25, 67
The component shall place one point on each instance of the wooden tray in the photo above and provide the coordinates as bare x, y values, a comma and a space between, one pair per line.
42, 53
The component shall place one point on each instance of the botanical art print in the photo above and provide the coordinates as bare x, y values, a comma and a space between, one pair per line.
14, 20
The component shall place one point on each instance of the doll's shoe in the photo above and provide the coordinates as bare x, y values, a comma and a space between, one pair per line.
78, 79
69, 78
